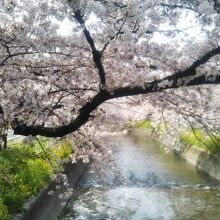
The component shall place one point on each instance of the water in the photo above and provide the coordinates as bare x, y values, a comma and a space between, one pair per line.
157, 185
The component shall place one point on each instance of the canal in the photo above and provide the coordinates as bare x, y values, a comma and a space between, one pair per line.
153, 184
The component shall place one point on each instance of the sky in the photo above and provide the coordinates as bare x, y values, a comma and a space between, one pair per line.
189, 29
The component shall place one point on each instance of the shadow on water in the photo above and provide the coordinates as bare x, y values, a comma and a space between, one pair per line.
158, 185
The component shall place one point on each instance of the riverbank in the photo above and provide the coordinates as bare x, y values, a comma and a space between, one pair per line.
208, 163
187, 147
25, 169
50, 201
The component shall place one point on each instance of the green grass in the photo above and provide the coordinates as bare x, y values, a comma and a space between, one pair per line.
144, 124
200, 139
25, 169
4, 215
197, 137
156, 129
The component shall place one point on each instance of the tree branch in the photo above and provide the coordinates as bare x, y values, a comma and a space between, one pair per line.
184, 78
101, 97
96, 53
117, 33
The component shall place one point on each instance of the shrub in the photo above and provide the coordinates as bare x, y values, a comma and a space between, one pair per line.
4, 215
64, 149
25, 169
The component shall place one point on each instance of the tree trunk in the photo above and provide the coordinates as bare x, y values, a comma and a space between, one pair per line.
5, 141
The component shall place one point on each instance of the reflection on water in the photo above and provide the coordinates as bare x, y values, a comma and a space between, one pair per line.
158, 186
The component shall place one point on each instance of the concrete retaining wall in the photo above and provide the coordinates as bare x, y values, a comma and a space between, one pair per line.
48, 207
205, 162
208, 163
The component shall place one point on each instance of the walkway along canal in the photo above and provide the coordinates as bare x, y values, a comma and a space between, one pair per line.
157, 185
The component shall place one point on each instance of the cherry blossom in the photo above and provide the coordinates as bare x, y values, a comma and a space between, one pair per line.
52, 84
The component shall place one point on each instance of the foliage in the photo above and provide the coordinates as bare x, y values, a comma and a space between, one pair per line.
157, 129
199, 138
202, 140
3, 211
144, 124
25, 169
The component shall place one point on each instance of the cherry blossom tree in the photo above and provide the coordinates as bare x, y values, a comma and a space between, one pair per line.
52, 83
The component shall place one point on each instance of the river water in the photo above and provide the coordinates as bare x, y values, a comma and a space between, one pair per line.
156, 185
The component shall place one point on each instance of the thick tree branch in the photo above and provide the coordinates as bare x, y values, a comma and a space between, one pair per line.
86, 110
97, 55
184, 78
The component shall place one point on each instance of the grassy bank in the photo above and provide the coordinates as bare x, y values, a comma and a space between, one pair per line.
198, 138
27, 168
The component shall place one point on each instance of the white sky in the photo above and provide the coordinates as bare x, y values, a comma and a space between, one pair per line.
188, 26
66, 26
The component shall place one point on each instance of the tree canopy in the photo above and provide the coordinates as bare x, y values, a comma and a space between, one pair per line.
60, 60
